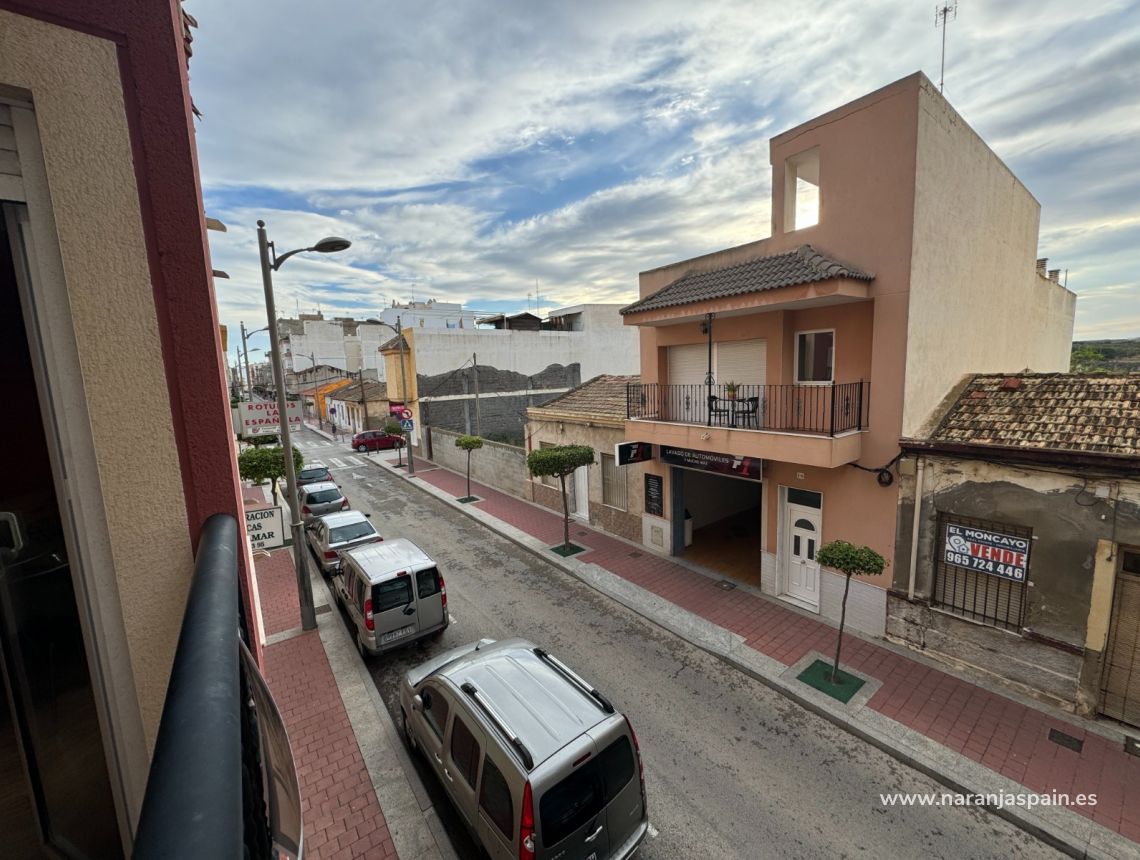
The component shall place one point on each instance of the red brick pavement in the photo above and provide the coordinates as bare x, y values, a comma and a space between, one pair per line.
1000, 733
341, 814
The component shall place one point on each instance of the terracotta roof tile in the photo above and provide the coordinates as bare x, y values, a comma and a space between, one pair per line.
804, 265
1061, 411
603, 396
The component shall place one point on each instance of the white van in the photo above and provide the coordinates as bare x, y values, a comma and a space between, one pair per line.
393, 593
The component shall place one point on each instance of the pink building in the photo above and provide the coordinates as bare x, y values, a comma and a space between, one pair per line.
777, 377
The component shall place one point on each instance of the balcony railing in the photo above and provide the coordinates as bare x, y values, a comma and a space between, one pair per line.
222, 781
826, 409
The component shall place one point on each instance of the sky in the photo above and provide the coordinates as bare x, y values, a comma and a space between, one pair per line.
531, 155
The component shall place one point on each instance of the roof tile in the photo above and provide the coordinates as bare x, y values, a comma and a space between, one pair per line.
603, 396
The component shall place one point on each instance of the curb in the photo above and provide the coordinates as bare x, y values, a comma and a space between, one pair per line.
1063, 829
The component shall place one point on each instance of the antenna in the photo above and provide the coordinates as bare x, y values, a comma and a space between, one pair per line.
944, 14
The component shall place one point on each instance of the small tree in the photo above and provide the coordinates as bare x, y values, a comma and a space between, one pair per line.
850, 561
559, 461
266, 464
1087, 359
469, 444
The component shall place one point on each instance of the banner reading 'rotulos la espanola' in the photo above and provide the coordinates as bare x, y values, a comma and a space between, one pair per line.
261, 418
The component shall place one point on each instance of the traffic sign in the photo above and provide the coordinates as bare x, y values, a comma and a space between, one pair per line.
407, 424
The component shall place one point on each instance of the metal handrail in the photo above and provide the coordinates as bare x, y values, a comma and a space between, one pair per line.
193, 802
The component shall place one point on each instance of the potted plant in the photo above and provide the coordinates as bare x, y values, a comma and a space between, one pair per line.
730, 390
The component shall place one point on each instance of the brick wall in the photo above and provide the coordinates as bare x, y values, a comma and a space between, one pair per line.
496, 465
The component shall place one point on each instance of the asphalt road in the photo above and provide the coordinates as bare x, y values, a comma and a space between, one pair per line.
732, 768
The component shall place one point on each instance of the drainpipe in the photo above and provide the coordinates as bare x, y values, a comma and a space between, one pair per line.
914, 528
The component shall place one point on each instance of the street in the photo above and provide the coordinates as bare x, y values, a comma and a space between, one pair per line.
732, 768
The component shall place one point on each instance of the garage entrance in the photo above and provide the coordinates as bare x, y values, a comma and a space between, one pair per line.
723, 517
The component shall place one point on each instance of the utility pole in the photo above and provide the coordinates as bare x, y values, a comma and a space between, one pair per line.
363, 401
404, 394
248, 374
478, 420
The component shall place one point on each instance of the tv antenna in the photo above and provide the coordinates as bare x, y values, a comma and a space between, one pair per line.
943, 15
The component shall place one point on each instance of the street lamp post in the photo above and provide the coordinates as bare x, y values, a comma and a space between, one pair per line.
245, 335
268, 267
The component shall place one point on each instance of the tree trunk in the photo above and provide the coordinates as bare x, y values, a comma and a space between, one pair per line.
273, 487
468, 473
839, 638
565, 515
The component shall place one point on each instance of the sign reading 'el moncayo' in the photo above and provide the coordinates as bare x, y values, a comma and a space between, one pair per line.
987, 551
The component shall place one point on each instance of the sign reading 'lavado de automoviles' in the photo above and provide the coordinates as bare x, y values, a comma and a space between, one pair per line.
265, 527
260, 418
712, 461
987, 551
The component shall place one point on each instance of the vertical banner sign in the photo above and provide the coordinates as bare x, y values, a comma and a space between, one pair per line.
987, 551
655, 495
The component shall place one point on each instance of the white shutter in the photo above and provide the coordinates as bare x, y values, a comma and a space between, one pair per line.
741, 361
688, 364
11, 182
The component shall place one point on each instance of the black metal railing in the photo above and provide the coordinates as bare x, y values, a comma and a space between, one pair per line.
827, 409
222, 780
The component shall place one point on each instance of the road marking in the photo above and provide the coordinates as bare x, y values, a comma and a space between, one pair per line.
356, 477
338, 463
356, 461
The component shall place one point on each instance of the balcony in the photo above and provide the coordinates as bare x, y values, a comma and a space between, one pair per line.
815, 425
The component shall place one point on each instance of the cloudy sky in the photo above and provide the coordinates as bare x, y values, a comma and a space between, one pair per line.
486, 152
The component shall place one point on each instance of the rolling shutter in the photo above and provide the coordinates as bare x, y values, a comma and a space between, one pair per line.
742, 361
11, 182
688, 364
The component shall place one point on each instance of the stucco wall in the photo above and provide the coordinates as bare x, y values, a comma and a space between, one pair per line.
496, 465
977, 303
1067, 520
95, 202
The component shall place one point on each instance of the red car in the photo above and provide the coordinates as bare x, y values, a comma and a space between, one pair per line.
376, 440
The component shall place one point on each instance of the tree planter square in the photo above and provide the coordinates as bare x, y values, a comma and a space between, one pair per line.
818, 675
567, 550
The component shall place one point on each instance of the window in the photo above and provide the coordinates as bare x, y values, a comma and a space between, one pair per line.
435, 711
548, 480
583, 794
323, 497
464, 751
427, 582
801, 190
495, 799
613, 483
350, 532
815, 352
393, 593
976, 568
804, 498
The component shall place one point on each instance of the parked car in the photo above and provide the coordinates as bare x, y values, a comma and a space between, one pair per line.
376, 440
316, 500
538, 763
314, 473
393, 593
331, 534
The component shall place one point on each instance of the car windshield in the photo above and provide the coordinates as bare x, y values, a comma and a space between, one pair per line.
310, 474
323, 497
352, 531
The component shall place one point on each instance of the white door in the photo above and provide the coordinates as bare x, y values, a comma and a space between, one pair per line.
580, 504
800, 546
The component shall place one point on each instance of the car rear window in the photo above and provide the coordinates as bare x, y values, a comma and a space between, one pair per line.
495, 798
393, 593
586, 792
427, 582
351, 532
323, 497
309, 474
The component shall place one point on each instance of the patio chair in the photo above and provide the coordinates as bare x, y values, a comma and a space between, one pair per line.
748, 413
720, 411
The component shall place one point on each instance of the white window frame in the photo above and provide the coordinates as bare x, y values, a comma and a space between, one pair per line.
796, 361
618, 483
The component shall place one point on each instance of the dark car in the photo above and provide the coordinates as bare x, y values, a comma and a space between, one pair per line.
376, 440
314, 473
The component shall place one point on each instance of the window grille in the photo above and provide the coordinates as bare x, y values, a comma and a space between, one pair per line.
613, 483
978, 596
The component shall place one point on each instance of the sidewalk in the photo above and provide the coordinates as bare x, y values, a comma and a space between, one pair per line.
972, 738
356, 796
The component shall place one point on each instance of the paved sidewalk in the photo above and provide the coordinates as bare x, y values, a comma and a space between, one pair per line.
356, 798
971, 737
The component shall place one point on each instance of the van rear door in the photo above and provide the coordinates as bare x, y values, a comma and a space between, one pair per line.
624, 807
572, 813
429, 591
393, 609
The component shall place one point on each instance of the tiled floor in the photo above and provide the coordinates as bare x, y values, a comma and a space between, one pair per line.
1000, 733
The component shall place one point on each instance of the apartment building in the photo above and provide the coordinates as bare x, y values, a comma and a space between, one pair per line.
777, 377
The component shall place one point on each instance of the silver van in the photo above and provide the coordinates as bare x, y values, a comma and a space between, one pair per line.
393, 593
538, 763
316, 500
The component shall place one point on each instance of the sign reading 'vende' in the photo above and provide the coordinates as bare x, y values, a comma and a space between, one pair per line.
265, 527
261, 418
987, 551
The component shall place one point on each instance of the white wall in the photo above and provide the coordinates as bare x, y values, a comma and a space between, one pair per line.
976, 302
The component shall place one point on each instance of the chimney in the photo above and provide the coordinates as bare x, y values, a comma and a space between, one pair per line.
1055, 276
1042, 262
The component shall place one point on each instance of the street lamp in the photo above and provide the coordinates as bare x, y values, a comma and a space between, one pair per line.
245, 335
269, 265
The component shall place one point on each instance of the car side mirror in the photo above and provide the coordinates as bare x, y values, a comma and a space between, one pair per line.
418, 704
369, 516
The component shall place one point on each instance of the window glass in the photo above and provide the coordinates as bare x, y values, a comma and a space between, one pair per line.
427, 582
312, 474
495, 799
795, 544
804, 498
435, 711
617, 766
811, 550
814, 355
583, 794
806, 525
1130, 562
613, 483
464, 751
351, 532
393, 593
323, 497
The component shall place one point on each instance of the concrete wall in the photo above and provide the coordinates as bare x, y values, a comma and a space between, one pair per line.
977, 304
1069, 523
500, 466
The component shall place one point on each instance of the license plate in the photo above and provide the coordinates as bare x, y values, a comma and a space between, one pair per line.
393, 635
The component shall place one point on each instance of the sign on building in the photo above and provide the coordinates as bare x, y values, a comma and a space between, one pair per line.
632, 452
712, 461
987, 551
654, 495
265, 527
262, 418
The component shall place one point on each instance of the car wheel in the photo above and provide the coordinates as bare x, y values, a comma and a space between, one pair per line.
409, 738
363, 449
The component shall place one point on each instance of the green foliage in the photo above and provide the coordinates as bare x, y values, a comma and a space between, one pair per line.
469, 443
559, 460
392, 427
1087, 359
850, 559
266, 464
263, 441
